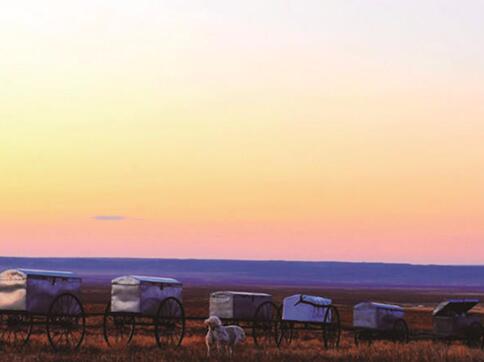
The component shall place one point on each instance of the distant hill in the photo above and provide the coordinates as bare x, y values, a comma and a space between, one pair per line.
191, 271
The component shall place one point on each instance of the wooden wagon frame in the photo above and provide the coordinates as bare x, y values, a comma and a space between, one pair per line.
329, 326
378, 321
141, 302
452, 321
63, 317
43, 298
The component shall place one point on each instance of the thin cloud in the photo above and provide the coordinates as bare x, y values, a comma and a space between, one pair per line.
110, 217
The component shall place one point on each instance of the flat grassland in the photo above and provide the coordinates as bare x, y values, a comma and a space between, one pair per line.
306, 347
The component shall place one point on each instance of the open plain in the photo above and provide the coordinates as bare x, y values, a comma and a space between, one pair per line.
306, 347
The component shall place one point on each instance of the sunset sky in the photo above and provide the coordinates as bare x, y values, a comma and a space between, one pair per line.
308, 130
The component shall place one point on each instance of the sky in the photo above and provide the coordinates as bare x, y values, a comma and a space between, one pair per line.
295, 130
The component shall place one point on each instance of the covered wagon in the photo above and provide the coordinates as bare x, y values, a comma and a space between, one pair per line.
146, 302
256, 311
310, 312
47, 297
451, 320
379, 321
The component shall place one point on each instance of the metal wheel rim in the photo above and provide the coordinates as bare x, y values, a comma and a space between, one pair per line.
331, 327
400, 331
15, 329
363, 336
66, 323
119, 329
476, 335
266, 331
286, 333
170, 323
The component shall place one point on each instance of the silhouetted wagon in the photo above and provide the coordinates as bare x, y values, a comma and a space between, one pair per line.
255, 311
302, 312
151, 304
452, 321
50, 298
379, 321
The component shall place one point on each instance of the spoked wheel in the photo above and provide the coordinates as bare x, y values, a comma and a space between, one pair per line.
400, 331
118, 329
66, 323
15, 329
363, 336
331, 327
170, 323
286, 333
475, 335
265, 329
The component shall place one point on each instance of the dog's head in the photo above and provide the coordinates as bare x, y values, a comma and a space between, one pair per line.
213, 322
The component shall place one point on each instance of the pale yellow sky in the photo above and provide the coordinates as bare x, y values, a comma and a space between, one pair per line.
287, 130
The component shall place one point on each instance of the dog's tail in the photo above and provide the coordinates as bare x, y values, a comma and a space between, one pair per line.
242, 336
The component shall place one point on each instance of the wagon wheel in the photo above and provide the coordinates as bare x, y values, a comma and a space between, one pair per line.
363, 336
331, 327
475, 335
170, 323
400, 331
286, 333
265, 329
66, 323
15, 329
118, 329
482, 339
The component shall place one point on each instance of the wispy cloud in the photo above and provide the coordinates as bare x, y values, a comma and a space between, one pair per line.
110, 217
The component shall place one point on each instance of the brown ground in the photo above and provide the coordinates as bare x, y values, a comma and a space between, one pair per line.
418, 303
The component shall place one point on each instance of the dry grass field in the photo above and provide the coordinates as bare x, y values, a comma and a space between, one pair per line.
307, 347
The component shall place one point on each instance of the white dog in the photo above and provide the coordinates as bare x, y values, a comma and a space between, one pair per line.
221, 337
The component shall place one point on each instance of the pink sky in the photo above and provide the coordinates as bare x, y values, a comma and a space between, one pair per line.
335, 131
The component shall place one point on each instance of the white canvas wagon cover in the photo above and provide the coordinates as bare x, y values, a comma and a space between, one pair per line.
34, 290
378, 316
142, 294
236, 305
305, 308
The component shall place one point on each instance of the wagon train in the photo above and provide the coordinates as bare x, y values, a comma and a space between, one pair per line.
302, 312
379, 321
50, 300
254, 311
451, 320
41, 297
141, 302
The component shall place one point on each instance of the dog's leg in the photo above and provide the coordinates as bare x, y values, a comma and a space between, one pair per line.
222, 349
208, 343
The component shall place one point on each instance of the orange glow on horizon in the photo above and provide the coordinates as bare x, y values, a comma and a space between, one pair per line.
233, 131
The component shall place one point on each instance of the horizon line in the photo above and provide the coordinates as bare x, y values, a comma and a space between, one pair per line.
243, 260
